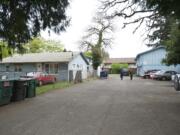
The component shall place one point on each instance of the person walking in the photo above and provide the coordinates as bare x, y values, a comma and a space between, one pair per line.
121, 74
131, 75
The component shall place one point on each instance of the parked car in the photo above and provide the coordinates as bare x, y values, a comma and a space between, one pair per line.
164, 75
104, 74
173, 76
125, 72
148, 73
177, 82
152, 74
42, 78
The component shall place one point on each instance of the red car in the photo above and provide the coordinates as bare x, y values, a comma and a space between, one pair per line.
42, 78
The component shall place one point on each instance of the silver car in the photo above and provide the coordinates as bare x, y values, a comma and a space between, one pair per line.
164, 75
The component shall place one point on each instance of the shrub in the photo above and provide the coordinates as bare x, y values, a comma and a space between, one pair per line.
115, 68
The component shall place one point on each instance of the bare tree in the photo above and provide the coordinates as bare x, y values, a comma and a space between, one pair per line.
133, 11
98, 36
154, 14
99, 33
162, 18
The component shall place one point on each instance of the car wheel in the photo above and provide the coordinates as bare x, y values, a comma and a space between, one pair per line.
54, 80
164, 78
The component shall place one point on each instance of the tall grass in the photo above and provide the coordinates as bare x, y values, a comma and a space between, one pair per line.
50, 87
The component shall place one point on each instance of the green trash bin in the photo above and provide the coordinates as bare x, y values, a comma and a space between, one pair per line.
31, 88
6, 87
19, 90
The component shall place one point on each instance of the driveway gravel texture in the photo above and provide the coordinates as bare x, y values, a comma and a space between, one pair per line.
99, 107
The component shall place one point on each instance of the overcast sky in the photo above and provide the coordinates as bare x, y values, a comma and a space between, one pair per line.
126, 44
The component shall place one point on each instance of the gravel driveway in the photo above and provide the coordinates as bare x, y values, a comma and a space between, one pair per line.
99, 107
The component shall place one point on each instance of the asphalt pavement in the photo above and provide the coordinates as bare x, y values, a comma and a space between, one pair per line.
99, 107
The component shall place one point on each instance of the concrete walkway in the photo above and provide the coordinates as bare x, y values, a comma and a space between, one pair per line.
100, 107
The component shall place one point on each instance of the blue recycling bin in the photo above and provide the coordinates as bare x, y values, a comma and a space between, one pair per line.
103, 74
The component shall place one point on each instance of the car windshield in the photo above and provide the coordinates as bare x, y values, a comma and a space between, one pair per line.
151, 71
155, 71
160, 72
34, 74
30, 74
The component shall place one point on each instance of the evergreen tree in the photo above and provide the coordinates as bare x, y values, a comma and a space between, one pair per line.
20, 20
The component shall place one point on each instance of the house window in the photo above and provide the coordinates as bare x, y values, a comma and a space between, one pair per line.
18, 68
56, 66
51, 68
7, 68
47, 68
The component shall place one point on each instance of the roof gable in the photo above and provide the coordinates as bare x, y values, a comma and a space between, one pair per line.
151, 50
83, 57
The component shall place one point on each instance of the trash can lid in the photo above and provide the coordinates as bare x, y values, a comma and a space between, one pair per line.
7, 80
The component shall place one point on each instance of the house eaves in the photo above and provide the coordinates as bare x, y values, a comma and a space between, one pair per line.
151, 50
39, 58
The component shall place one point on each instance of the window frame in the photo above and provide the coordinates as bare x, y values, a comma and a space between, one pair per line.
51, 68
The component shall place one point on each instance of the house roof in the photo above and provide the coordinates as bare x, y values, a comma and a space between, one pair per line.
119, 60
42, 57
84, 58
160, 47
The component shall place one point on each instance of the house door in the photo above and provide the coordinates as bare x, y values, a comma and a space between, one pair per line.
71, 78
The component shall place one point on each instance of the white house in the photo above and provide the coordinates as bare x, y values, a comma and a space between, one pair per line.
79, 62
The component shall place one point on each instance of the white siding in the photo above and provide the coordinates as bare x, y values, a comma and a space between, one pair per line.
78, 63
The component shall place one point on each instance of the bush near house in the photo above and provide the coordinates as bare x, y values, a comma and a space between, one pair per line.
115, 68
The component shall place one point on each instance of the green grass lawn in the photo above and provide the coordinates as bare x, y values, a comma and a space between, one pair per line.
49, 87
